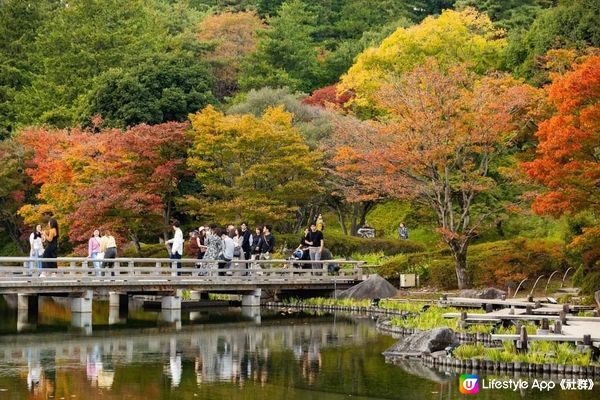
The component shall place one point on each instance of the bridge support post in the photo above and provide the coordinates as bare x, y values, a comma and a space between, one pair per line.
118, 300
27, 311
27, 302
252, 313
82, 302
171, 317
252, 299
172, 302
82, 320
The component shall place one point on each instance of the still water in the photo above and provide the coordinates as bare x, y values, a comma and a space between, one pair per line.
216, 353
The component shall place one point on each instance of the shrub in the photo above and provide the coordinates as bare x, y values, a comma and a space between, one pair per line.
344, 246
490, 264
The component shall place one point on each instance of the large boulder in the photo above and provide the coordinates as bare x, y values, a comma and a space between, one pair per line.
375, 287
487, 293
421, 343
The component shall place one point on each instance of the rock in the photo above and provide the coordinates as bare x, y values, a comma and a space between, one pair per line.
597, 297
487, 293
425, 342
375, 287
420, 370
491, 293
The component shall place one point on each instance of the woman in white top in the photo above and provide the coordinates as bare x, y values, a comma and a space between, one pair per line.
36, 248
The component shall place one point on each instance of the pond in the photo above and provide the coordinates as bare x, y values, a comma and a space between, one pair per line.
216, 353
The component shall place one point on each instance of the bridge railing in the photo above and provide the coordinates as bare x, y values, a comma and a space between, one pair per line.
82, 268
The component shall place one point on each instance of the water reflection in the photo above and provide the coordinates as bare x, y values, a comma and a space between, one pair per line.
235, 353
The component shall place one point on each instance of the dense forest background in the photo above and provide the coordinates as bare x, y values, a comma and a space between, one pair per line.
476, 123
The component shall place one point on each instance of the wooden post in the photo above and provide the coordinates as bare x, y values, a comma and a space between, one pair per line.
562, 316
528, 310
489, 308
587, 340
545, 325
463, 319
538, 304
557, 328
566, 308
523, 339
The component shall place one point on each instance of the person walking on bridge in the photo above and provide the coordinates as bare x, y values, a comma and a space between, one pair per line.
36, 248
94, 250
316, 243
51, 237
176, 243
108, 246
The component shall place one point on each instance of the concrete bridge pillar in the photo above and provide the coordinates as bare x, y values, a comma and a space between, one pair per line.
171, 317
27, 311
82, 302
27, 302
118, 307
83, 321
252, 299
252, 313
172, 301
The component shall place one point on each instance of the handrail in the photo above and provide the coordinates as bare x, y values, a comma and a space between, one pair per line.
21, 272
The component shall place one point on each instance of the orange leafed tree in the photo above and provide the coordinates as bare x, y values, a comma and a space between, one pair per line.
568, 153
438, 146
124, 181
234, 35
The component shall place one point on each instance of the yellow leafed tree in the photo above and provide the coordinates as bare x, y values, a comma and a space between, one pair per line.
451, 38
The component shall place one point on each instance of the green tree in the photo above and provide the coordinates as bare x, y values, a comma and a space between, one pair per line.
20, 22
508, 14
87, 38
161, 89
571, 24
286, 53
313, 123
254, 169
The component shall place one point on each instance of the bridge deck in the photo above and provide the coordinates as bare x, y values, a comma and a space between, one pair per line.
150, 275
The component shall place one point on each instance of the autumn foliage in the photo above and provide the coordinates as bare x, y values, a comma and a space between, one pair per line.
124, 181
438, 147
568, 157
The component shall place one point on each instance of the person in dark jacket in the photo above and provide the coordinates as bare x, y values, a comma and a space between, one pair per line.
267, 244
246, 240
257, 239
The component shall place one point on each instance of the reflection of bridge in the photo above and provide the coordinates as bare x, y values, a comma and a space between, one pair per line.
220, 351
81, 278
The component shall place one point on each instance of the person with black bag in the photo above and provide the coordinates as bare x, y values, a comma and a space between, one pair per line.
267, 243
246, 241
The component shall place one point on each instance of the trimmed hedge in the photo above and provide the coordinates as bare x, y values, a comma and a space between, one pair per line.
494, 263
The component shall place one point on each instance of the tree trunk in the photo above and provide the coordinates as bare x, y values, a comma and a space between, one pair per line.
459, 251
341, 219
14, 232
136, 243
167, 220
500, 228
354, 222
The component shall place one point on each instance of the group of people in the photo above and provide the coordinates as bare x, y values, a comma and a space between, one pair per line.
221, 247
215, 246
43, 244
102, 247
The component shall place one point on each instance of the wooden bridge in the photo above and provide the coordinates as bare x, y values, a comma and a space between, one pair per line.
82, 278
